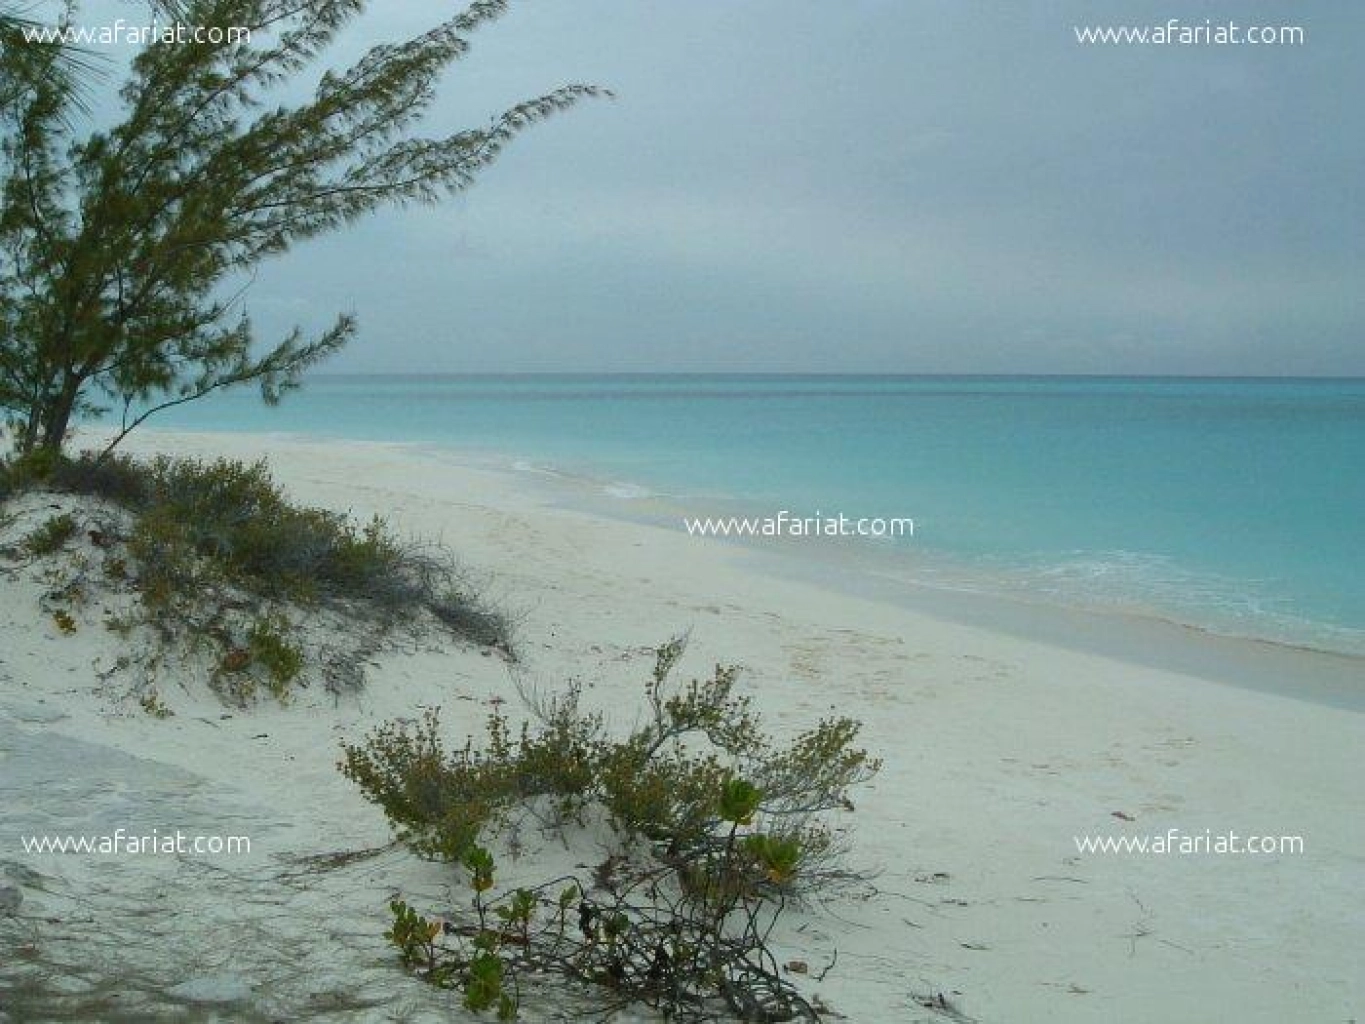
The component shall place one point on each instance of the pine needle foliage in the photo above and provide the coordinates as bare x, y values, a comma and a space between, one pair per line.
118, 246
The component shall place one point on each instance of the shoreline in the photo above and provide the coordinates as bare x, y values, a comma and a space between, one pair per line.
1052, 529
1145, 638
998, 752
959, 578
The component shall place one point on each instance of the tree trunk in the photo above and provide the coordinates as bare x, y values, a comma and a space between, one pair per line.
56, 417
28, 440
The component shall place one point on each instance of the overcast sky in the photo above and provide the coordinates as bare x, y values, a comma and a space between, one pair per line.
871, 185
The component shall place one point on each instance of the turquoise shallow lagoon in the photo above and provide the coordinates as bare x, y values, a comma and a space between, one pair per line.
1231, 505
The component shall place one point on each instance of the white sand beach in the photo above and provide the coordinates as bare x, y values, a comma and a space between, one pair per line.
997, 751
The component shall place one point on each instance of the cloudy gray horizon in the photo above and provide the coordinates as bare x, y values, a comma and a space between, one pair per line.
926, 187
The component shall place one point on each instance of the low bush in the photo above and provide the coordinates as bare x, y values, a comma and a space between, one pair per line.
119, 479
716, 827
218, 556
21, 472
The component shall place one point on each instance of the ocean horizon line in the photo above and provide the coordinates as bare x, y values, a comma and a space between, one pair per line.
806, 375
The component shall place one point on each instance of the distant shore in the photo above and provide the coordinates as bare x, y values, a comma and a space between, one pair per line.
1002, 741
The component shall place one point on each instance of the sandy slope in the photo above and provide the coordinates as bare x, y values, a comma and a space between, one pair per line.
997, 751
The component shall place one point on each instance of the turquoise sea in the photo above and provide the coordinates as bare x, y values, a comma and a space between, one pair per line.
1232, 505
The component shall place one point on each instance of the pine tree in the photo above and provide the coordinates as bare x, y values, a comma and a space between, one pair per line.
116, 245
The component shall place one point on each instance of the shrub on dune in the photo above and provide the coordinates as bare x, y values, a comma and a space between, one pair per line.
225, 566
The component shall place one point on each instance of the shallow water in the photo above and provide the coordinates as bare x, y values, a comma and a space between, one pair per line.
1232, 505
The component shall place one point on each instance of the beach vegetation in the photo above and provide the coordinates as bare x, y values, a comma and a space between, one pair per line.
714, 828
152, 704
127, 248
272, 649
223, 567
51, 535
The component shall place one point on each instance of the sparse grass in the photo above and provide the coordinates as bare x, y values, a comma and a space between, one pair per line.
271, 649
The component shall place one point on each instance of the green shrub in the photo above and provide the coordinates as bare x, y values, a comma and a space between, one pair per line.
438, 802
271, 650
717, 826
52, 535
660, 782
117, 478
235, 517
26, 471
234, 514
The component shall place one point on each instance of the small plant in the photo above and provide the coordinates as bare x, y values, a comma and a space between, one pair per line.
415, 938
64, 622
778, 857
52, 536
271, 650
479, 863
739, 801
484, 981
152, 703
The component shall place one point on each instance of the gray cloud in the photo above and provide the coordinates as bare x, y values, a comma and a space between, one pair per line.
874, 186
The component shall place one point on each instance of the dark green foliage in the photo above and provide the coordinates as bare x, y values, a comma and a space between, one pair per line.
234, 515
24, 471
739, 800
118, 478
27, 58
122, 250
